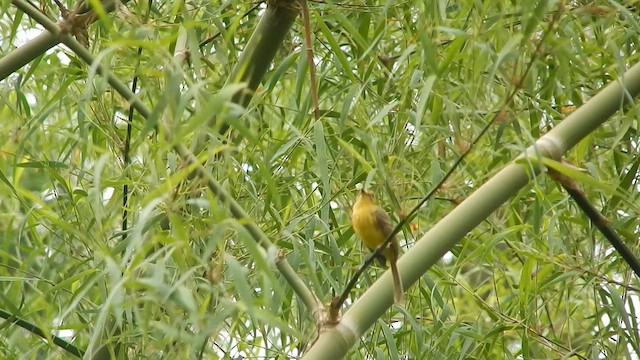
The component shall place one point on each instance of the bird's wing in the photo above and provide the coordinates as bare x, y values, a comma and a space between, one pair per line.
384, 221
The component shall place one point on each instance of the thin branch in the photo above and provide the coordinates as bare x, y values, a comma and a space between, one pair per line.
126, 156
596, 217
23, 55
312, 65
13, 319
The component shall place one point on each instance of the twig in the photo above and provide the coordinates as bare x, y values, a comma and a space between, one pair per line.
312, 65
596, 217
13, 319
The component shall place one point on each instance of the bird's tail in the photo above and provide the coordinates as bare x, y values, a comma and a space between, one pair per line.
398, 291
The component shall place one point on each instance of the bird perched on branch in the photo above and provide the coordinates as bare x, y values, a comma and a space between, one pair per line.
373, 225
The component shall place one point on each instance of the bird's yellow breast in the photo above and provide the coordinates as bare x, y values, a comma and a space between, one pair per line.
366, 226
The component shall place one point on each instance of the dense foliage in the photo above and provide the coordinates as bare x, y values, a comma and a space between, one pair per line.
404, 88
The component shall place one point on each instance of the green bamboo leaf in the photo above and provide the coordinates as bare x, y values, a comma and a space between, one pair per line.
42, 165
239, 274
625, 185
581, 176
365, 164
323, 170
390, 341
337, 52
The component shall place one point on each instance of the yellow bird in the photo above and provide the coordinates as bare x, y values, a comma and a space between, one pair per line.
372, 224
